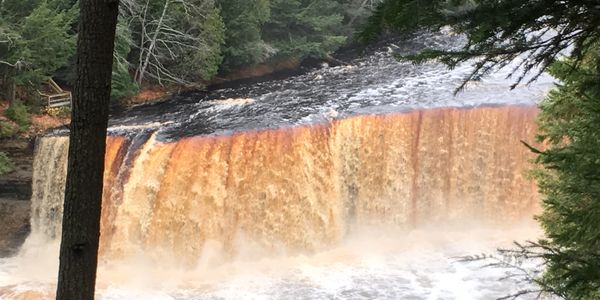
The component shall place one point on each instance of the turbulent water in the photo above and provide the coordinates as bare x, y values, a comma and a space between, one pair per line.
363, 181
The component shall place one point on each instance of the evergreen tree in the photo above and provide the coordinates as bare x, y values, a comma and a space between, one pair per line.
534, 33
45, 43
300, 28
122, 84
570, 179
244, 21
206, 25
36, 39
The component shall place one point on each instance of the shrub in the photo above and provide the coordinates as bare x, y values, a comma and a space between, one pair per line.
19, 114
6, 165
8, 129
58, 112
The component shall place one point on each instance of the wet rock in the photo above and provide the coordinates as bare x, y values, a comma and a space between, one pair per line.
14, 225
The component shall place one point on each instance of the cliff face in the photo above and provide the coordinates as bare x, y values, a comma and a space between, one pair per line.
302, 187
17, 184
15, 192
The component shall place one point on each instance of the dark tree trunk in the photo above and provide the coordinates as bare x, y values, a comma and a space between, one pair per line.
10, 87
83, 193
11, 91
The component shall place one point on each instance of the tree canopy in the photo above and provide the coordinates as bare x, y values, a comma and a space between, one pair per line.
36, 38
175, 42
570, 178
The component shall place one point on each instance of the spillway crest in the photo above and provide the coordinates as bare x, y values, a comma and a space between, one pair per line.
302, 187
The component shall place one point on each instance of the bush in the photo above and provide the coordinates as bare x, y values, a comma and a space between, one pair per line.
8, 129
58, 112
6, 165
19, 114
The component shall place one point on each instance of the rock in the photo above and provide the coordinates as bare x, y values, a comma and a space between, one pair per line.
14, 225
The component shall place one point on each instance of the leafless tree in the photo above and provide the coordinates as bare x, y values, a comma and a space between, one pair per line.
165, 36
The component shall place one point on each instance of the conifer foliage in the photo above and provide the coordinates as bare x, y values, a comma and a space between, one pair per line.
570, 179
533, 33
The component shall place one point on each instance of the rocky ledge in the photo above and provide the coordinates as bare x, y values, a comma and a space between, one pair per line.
15, 193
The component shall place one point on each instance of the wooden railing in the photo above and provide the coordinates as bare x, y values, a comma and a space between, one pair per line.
58, 97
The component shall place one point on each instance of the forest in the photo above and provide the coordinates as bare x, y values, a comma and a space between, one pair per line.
173, 42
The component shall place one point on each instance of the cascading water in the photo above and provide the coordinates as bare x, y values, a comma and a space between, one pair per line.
347, 176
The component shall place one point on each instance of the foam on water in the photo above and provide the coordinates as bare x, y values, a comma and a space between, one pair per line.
373, 84
372, 263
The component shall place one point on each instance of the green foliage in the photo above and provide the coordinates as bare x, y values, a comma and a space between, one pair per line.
243, 44
42, 41
404, 17
174, 41
122, 85
6, 165
260, 30
356, 13
15, 10
498, 32
300, 28
19, 114
570, 179
8, 130
203, 59
59, 112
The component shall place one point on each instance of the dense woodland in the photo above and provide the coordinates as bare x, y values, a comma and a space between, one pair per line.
173, 42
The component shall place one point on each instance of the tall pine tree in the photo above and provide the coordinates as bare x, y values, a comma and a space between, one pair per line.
570, 179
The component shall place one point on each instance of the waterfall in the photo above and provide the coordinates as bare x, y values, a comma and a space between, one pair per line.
302, 187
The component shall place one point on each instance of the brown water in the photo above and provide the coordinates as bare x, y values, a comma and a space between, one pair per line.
207, 201
304, 187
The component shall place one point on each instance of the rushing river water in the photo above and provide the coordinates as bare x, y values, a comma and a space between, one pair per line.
363, 181
374, 84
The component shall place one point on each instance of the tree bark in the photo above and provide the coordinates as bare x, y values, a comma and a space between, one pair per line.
89, 120
11, 91
10, 87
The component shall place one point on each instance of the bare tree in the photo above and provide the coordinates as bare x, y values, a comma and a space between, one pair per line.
89, 120
166, 36
8, 38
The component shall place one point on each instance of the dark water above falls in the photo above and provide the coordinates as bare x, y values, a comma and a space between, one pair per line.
375, 84
363, 181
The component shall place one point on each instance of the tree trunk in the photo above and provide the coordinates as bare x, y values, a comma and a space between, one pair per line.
83, 192
11, 91
10, 87
144, 66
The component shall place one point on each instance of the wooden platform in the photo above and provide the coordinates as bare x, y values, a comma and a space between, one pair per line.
55, 96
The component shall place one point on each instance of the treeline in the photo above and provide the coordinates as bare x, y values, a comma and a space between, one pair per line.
173, 42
